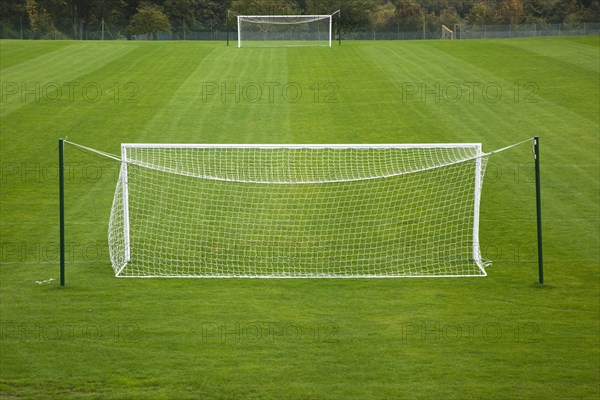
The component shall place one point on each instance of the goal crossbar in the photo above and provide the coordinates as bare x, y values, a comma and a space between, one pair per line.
308, 16
298, 147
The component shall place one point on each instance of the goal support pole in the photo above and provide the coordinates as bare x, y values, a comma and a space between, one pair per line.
239, 34
538, 204
338, 27
330, 27
228, 24
61, 206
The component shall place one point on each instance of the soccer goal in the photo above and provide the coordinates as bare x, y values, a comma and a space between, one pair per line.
447, 33
285, 30
297, 211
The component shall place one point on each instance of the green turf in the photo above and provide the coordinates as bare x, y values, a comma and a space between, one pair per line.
497, 337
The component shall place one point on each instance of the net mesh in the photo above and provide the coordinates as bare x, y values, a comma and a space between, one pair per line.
297, 212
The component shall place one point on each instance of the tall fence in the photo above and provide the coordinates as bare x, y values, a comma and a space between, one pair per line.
466, 31
460, 31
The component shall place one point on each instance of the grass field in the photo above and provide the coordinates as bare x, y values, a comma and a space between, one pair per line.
502, 336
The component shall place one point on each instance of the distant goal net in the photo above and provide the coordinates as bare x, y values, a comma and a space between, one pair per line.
285, 30
447, 33
297, 211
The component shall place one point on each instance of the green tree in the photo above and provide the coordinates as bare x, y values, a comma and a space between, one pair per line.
81, 16
12, 19
542, 11
355, 14
149, 20
265, 7
40, 20
509, 11
384, 16
449, 17
482, 13
578, 13
198, 15
410, 14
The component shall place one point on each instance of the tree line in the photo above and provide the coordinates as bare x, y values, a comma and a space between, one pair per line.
75, 17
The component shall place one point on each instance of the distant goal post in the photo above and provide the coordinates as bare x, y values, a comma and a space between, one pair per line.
447, 33
285, 30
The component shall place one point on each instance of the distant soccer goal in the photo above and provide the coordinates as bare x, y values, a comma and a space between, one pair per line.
297, 211
285, 30
447, 33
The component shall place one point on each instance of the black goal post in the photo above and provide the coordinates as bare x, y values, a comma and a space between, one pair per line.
538, 206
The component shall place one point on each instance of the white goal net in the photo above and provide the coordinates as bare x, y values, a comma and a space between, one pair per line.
295, 211
284, 30
447, 33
